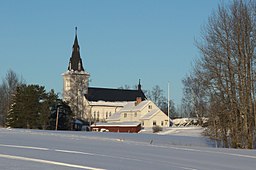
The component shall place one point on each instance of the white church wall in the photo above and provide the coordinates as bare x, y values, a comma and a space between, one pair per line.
101, 113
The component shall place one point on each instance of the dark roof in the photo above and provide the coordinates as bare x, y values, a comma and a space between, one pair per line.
75, 62
112, 95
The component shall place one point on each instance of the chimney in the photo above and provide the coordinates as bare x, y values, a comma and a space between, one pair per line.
138, 100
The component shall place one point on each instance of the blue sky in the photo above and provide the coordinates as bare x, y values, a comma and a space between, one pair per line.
121, 41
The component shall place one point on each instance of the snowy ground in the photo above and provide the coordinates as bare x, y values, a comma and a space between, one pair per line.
183, 136
172, 149
195, 131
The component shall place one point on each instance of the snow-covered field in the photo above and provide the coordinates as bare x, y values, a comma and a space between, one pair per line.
195, 131
174, 148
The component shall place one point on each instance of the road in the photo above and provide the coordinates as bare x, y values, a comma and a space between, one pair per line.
29, 150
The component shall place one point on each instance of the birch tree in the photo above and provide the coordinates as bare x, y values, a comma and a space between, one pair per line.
227, 72
7, 89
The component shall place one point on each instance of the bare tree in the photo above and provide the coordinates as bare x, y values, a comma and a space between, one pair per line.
226, 73
75, 96
7, 89
157, 96
125, 87
194, 101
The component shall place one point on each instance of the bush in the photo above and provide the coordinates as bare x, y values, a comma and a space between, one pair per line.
156, 129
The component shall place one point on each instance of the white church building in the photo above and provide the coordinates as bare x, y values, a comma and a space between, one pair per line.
109, 105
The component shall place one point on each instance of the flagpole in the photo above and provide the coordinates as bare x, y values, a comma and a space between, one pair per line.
168, 103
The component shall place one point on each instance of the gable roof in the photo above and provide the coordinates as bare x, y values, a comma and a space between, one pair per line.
117, 124
109, 104
150, 114
116, 116
110, 95
128, 107
132, 107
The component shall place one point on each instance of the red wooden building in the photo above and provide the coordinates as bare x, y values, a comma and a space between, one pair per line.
127, 127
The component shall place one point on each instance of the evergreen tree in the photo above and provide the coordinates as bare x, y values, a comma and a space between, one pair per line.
30, 107
45, 108
62, 112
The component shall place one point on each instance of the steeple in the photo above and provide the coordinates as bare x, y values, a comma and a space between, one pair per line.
75, 62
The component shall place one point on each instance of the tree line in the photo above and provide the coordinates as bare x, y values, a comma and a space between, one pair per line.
30, 106
221, 85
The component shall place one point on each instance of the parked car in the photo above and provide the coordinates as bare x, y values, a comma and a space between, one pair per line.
104, 130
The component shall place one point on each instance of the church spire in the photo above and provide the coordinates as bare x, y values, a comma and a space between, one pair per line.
76, 46
75, 62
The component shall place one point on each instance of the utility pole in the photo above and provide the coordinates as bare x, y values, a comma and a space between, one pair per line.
57, 118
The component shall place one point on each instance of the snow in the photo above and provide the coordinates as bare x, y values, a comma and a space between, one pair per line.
116, 116
119, 124
150, 114
131, 107
195, 131
181, 122
104, 103
174, 148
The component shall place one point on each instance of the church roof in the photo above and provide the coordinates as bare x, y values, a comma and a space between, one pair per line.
75, 62
107, 94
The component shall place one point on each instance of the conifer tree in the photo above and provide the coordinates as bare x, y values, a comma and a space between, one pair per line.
62, 112
46, 103
30, 107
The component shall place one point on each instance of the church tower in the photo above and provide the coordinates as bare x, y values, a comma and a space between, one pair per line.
75, 82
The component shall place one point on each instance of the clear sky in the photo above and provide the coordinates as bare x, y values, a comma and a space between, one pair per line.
121, 41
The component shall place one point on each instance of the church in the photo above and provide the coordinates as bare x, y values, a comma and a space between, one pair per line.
108, 105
